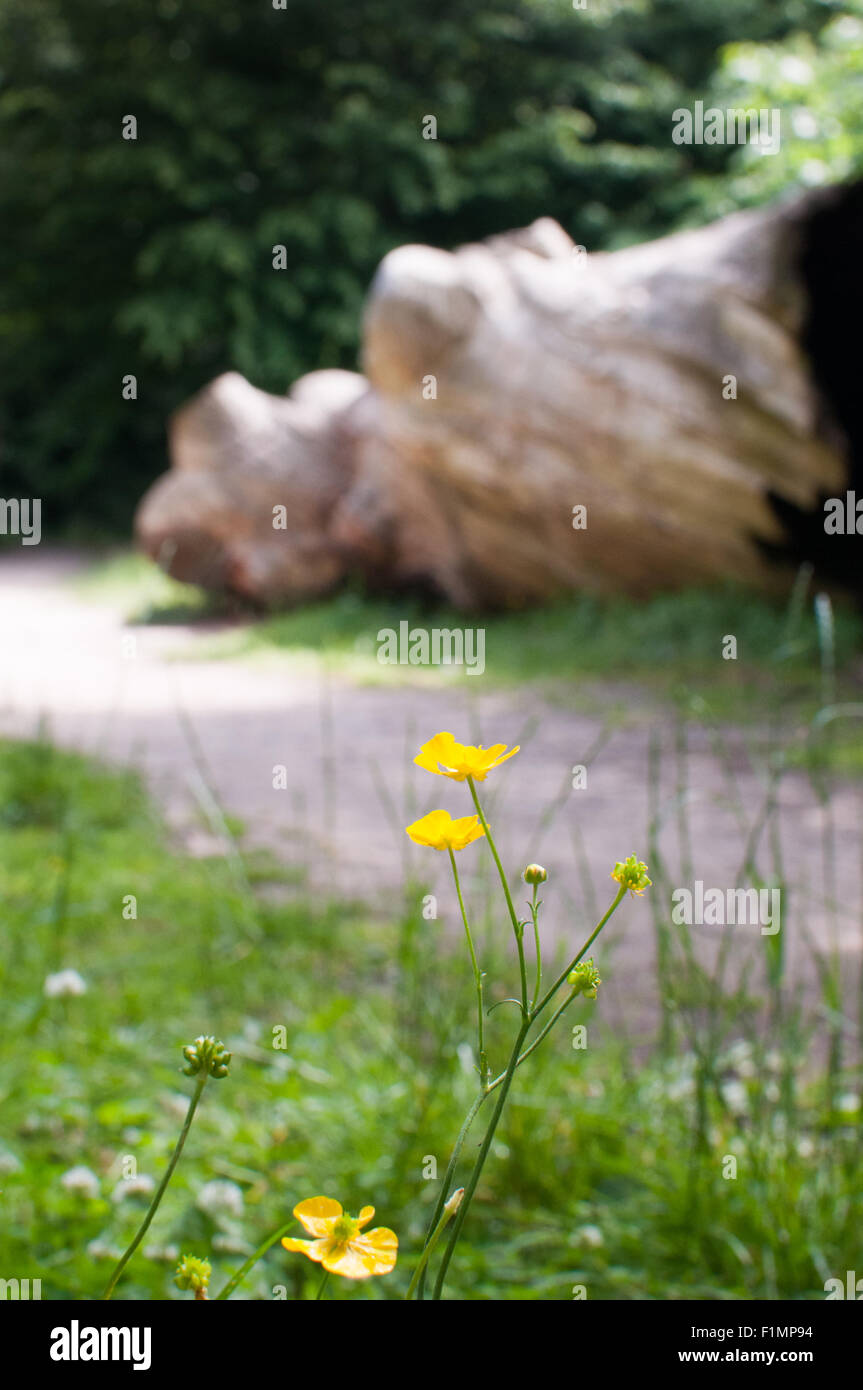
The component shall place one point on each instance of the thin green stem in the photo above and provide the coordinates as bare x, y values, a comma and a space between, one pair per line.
534, 912
516, 924
320, 1292
446, 1216
449, 1174
477, 976
478, 1166
549, 994
538, 1039
253, 1260
504, 1082
151, 1212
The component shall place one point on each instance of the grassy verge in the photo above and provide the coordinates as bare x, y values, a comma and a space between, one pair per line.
614, 657
609, 1172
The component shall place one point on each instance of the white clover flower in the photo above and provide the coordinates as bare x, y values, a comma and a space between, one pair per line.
140, 1186
589, 1236
796, 70
847, 29
735, 1096
82, 1180
221, 1198
164, 1254
464, 1052
176, 1104
230, 1245
814, 172
803, 123
64, 984
99, 1249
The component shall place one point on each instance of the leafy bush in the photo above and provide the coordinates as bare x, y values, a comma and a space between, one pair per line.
302, 127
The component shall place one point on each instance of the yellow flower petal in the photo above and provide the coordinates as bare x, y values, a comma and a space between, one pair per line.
381, 1246
496, 760
364, 1256
440, 749
365, 1217
447, 758
427, 830
464, 831
439, 831
315, 1249
317, 1214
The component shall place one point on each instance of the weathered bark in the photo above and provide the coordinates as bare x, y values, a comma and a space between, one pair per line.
506, 384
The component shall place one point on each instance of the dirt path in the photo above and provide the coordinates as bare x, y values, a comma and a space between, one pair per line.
134, 694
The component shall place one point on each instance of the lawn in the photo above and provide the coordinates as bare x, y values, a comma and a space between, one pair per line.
718, 1161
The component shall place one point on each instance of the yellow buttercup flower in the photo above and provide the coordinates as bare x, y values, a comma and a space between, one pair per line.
338, 1244
443, 756
438, 830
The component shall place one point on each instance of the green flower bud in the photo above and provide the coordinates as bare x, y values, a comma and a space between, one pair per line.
193, 1273
632, 875
584, 979
534, 873
205, 1054
452, 1206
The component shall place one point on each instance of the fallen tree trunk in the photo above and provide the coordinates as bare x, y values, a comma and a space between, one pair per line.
532, 419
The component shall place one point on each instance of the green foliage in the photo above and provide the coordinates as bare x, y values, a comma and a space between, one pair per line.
301, 127
606, 1172
816, 83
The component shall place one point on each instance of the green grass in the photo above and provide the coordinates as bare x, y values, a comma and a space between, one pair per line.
607, 1169
145, 593
616, 658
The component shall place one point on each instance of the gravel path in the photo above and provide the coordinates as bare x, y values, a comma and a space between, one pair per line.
139, 694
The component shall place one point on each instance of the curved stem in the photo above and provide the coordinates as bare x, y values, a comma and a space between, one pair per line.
478, 1166
448, 1176
516, 924
477, 976
539, 1037
549, 994
534, 912
447, 1214
253, 1260
320, 1292
504, 1081
151, 1212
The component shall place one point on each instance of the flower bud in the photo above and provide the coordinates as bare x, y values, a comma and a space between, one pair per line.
207, 1055
452, 1206
193, 1273
534, 873
584, 979
632, 874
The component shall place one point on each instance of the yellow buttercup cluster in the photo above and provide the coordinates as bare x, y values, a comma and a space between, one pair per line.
459, 761
338, 1243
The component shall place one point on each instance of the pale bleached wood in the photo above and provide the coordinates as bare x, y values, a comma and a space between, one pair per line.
561, 379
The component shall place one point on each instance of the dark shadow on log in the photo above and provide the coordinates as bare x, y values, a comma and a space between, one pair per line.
831, 265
